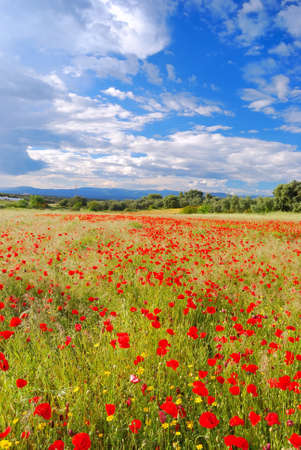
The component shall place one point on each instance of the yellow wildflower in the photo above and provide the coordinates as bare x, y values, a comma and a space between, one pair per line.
5, 444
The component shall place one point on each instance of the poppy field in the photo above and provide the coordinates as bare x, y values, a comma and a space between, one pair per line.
149, 332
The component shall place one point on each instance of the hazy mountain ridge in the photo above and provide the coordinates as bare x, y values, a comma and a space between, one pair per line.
93, 193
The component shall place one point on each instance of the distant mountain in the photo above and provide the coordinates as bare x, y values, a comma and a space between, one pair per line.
96, 193
87, 192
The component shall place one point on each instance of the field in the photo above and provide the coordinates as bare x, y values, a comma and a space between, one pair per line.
151, 332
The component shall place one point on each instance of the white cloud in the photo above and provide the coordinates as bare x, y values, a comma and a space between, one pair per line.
192, 157
291, 128
113, 92
171, 73
282, 50
188, 105
290, 18
152, 73
293, 115
279, 86
126, 27
104, 67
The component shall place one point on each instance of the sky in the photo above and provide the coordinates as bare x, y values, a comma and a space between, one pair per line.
150, 94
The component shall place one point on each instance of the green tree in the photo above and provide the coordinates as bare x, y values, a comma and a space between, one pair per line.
287, 195
171, 201
37, 202
77, 202
94, 205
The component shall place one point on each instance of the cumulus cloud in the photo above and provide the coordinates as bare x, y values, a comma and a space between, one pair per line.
290, 18
272, 90
252, 21
113, 92
26, 105
126, 27
182, 157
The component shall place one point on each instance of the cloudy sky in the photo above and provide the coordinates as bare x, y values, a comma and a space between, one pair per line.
150, 94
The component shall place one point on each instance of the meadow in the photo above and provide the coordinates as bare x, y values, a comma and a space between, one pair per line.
132, 331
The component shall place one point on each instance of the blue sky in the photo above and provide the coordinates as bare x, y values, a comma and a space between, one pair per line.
150, 94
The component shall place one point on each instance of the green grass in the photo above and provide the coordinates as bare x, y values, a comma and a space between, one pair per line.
56, 264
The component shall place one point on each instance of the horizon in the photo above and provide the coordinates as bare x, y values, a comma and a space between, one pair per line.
153, 95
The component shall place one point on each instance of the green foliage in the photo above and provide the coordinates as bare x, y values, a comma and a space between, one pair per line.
171, 201
288, 196
191, 198
94, 206
22, 203
37, 202
189, 209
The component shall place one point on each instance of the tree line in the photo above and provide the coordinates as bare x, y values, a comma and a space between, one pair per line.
286, 197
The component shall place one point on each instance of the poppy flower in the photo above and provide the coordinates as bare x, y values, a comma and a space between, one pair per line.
193, 332
43, 410
295, 440
199, 388
254, 418
208, 420
234, 390
252, 389
272, 419
15, 322
170, 408
123, 340
110, 408
21, 383
5, 432
57, 445
237, 441
3, 362
134, 379
173, 364
81, 441
135, 426
235, 421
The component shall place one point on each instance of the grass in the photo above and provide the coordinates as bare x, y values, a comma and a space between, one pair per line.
77, 281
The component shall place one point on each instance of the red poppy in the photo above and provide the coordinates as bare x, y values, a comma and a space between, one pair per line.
199, 388
295, 440
15, 321
43, 410
234, 390
272, 419
173, 364
170, 408
135, 426
193, 332
235, 421
203, 373
57, 445
208, 420
81, 441
21, 383
3, 362
123, 340
5, 432
238, 441
252, 389
254, 418
110, 409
